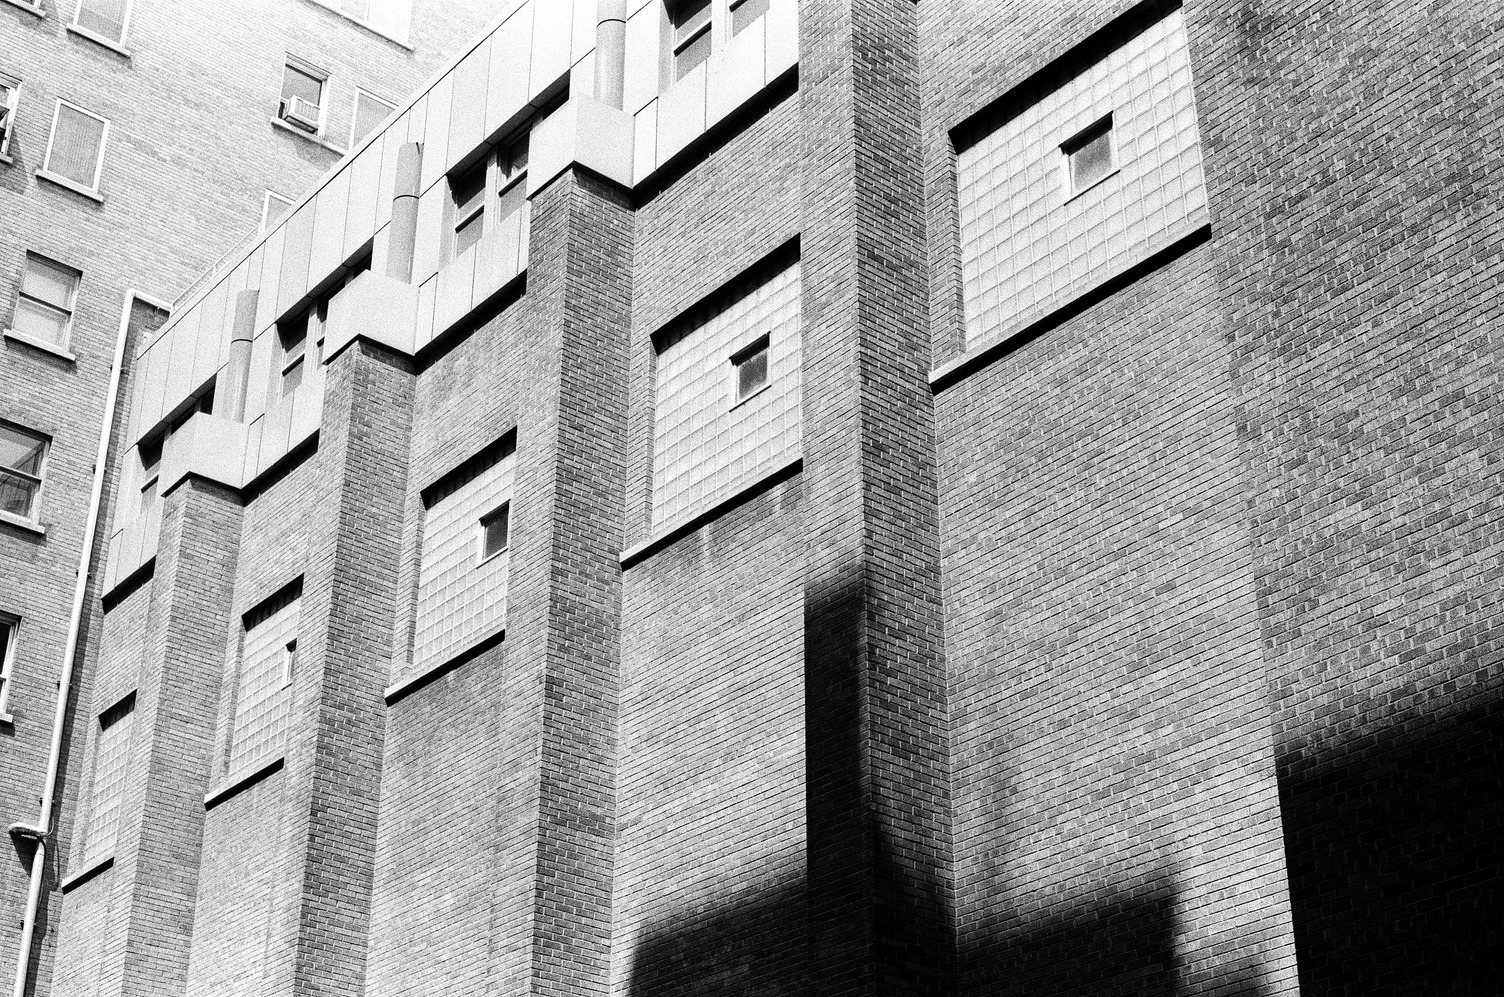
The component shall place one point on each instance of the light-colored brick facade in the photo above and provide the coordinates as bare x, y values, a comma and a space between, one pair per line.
1094, 593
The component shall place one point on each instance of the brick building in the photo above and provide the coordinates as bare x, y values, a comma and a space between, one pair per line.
138, 140
1004, 500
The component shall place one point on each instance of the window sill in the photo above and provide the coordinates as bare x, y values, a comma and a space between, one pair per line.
30, 526
67, 184
242, 782
85, 874
7, 159
677, 531
739, 402
8, 719
407, 687
38, 344
34, 10
100, 40
1099, 181
307, 136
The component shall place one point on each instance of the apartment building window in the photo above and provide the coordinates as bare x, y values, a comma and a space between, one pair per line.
45, 300
302, 103
1089, 157
23, 459
9, 627
305, 330
75, 149
104, 19
462, 574
494, 529
273, 206
112, 750
268, 661
10, 96
370, 111
505, 173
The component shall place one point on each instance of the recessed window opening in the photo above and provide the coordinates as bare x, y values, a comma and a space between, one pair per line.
1090, 156
289, 662
370, 111
273, 206
294, 352
309, 327
9, 625
469, 192
23, 454
10, 94
495, 528
45, 300
302, 103
692, 35
106, 18
751, 367
151, 466
746, 12
75, 150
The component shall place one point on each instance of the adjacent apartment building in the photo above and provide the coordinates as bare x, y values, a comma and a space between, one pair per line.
139, 139
831, 497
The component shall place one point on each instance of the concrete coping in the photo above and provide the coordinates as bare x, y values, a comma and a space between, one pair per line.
245, 780
85, 874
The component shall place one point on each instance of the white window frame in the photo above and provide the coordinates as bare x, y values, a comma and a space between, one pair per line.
104, 140
355, 113
1103, 125
307, 69
12, 622
125, 27
266, 205
66, 339
481, 557
9, 106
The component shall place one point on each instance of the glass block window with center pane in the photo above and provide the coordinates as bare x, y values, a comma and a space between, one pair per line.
23, 455
1089, 156
112, 749
44, 301
268, 662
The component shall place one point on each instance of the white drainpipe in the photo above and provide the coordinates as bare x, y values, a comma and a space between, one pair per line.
42, 830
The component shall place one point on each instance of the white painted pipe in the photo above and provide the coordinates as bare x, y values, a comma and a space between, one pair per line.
43, 828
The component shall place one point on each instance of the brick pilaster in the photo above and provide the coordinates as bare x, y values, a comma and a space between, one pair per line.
878, 771
565, 602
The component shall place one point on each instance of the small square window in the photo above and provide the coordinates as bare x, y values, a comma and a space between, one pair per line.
692, 35
273, 206
745, 12
45, 300
1090, 156
751, 367
22, 458
10, 94
494, 528
105, 18
302, 103
75, 151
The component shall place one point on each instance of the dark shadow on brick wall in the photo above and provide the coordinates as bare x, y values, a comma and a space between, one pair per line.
755, 948
1395, 844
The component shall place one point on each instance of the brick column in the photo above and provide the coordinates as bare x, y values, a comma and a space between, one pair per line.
878, 768
337, 720
153, 883
554, 924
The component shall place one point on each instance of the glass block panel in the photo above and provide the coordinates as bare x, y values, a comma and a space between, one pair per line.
111, 761
267, 659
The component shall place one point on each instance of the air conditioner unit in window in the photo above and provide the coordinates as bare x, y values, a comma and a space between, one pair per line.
300, 112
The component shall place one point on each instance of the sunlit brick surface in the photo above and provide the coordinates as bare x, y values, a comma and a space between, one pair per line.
112, 755
261, 697
706, 445
461, 599
1027, 246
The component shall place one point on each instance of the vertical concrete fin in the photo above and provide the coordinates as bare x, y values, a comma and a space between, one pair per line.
610, 51
230, 398
404, 230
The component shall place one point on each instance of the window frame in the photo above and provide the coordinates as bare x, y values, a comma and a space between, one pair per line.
763, 345
151, 473
104, 140
679, 42
289, 663
314, 72
314, 317
1100, 127
266, 201
504, 513
502, 175
12, 623
66, 337
39, 480
121, 712
92, 35
355, 113
10, 105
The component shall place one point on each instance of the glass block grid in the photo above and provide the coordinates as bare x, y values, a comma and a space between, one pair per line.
707, 444
112, 752
263, 691
1026, 245
461, 598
